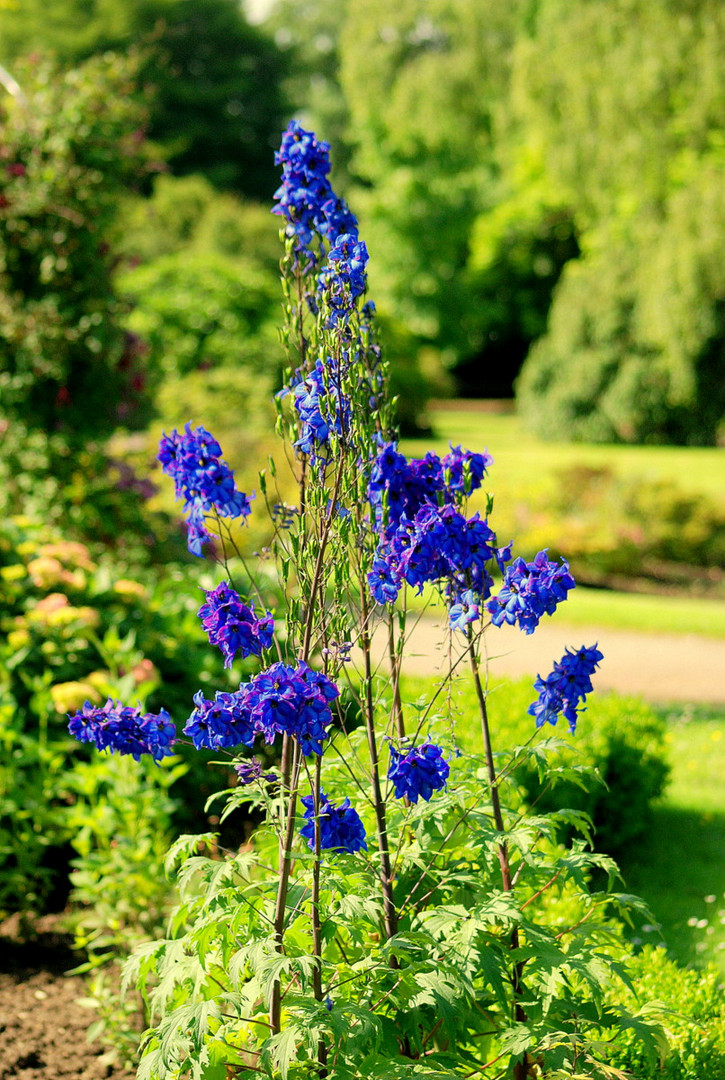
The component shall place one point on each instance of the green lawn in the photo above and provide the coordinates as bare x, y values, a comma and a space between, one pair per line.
681, 870
623, 611
522, 461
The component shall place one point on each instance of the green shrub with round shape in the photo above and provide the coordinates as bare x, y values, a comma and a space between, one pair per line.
694, 1024
619, 738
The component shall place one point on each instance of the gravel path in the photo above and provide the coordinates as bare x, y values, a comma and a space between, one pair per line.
661, 668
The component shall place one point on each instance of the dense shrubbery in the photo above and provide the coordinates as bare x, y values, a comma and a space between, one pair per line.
695, 1024
613, 527
71, 144
622, 743
74, 630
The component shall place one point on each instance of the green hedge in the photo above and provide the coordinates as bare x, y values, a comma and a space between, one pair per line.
621, 738
694, 1023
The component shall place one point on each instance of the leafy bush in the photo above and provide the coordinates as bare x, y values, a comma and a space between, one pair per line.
633, 527
634, 354
619, 739
694, 1024
121, 823
205, 312
74, 630
70, 145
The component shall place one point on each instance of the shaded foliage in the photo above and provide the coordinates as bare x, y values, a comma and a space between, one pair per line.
71, 143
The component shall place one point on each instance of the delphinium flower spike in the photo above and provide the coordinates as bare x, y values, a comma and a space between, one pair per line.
340, 826
124, 729
568, 684
203, 479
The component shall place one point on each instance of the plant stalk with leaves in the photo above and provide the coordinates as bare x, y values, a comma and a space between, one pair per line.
399, 918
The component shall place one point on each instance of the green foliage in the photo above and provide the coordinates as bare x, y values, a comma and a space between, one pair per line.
217, 105
206, 313
183, 212
209, 980
634, 347
619, 741
70, 145
74, 630
121, 825
695, 1023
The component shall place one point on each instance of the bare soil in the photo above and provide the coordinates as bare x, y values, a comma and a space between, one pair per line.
42, 1025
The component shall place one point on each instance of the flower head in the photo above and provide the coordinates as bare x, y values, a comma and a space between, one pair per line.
233, 626
202, 479
418, 772
568, 684
530, 590
340, 826
124, 730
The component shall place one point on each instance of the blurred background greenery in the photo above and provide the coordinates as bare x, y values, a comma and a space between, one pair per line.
540, 185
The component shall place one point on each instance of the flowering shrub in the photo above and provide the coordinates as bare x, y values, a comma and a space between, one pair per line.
408, 921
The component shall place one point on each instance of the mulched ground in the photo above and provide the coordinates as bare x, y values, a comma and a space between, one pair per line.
42, 1026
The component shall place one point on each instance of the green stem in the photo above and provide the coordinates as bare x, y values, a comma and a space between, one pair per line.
521, 1067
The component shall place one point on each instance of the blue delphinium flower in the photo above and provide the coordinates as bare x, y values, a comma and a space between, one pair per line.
310, 391
530, 590
343, 278
340, 826
124, 730
418, 772
233, 626
203, 479
464, 470
464, 611
291, 701
251, 771
305, 198
223, 723
568, 684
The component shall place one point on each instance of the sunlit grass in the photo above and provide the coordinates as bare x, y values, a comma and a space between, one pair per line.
522, 461
680, 870
622, 610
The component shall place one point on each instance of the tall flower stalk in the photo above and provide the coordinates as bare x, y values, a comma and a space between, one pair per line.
385, 917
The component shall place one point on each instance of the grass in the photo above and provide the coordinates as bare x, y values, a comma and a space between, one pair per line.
624, 611
681, 872
522, 460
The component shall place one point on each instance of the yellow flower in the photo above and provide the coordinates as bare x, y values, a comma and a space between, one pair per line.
128, 589
16, 572
70, 696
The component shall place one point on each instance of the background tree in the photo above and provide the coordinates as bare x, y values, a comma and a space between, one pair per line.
71, 143
218, 106
630, 130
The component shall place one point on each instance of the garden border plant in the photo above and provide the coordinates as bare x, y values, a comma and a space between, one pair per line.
414, 919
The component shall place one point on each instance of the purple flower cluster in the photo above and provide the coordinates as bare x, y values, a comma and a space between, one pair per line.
425, 537
233, 626
124, 729
305, 197
203, 479
340, 826
316, 427
530, 590
568, 684
400, 487
344, 278
249, 772
279, 701
220, 724
418, 772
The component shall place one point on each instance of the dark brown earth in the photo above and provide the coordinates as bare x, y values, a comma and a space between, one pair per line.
42, 1025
